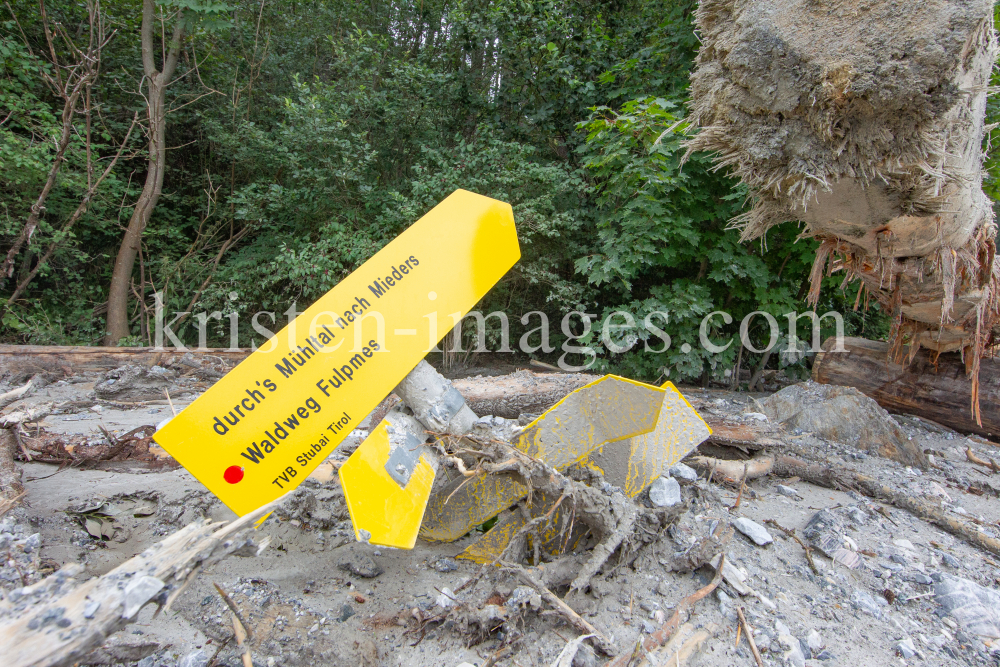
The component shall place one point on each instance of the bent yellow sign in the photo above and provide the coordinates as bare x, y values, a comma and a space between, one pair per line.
267, 424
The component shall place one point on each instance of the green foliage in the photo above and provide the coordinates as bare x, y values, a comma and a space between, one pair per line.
305, 136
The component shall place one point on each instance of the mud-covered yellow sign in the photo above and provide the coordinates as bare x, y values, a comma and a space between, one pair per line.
261, 429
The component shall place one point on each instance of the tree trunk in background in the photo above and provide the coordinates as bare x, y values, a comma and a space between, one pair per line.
156, 88
929, 387
867, 126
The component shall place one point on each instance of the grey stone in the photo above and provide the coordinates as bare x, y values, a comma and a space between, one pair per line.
32, 543
899, 558
648, 627
906, 649
754, 531
445, 565
196, 658
825, 532
977, 609
921, 578
845, 415
649, 605
665, 492
360, 564
682, 472
662, 588
825, 655
950, 561
864, 601
585, 657
345, 613
787, 491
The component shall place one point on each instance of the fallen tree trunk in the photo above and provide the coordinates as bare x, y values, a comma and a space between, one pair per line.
936, 389
519, 393
17, 359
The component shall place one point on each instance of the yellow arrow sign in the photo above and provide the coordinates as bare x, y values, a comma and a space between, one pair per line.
269, 422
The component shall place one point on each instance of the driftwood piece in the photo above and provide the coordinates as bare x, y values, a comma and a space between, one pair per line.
733, 472
839, 478
59, 620
930, 386
23, 391
18, 359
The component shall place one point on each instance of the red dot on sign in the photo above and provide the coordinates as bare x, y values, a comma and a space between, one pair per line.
233, 474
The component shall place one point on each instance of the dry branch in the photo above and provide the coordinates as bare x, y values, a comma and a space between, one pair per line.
663, 633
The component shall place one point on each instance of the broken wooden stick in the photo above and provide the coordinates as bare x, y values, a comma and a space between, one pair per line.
839, 478
805, 547
57, 621
748, 631
241, 640
670, 626
598, 638
990, 465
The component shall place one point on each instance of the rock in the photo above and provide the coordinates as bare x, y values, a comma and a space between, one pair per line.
346, 611
683, 473
864, 601
197, 658
787, 491
585, 657
665, 492
648, 627
845, 415
763, 641
825, 531
921, 578
825, 655
445, 565
360, 564
663, 588
649, 605
446, 599
977, 609
847, 558
754, 531
906, 649
814, 641
950, 561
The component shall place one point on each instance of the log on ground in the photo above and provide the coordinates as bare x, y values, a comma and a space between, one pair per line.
932, 388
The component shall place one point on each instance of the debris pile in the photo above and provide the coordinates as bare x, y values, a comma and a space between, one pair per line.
790, 533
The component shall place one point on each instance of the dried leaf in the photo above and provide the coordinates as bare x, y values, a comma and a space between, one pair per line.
94, 528
107, 529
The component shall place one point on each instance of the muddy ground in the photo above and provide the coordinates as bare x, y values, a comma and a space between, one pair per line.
309, 597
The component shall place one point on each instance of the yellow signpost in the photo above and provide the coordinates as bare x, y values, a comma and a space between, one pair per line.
268, 423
